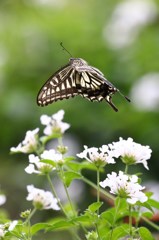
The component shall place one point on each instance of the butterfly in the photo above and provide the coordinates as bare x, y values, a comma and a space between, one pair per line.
77, 78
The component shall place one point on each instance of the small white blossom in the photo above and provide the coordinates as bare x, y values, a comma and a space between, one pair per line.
2, 231
2, 199
7, 227
54, 123
125, 186
52, 155
12, 225
29, 144
36, 166
41, 199
99, 156
127, 20
131, 152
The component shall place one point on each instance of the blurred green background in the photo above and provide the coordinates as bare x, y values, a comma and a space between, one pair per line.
121, 38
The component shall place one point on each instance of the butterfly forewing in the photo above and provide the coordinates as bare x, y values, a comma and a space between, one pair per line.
76, 78
59, 86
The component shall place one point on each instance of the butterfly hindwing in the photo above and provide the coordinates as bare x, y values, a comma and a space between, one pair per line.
94, 87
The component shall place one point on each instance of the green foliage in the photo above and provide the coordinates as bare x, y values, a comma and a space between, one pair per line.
145, 234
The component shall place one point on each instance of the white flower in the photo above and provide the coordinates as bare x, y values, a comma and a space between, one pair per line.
54, 123
9, 226
41, 199
2, 230
12, 225
125, 186
38, 167
2, 199
131, 152
99, 156
52, 155
127, 20
29, 144
145, 91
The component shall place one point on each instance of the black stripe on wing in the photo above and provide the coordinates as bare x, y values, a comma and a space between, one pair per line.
95, 87
59, 86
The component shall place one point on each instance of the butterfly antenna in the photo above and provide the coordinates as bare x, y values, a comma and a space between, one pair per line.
65, 49
124, 96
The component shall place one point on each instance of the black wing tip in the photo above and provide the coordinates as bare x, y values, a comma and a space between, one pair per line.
41, 104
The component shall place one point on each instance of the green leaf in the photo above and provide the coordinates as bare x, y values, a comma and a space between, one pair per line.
13, 234
145, 234
114, 233
48, 161
62, 225
75, 166
95, 206
153, 203
83, 219
45, 139
109, 216
149, 194
70, 158
121, 203
147, 214
120, 231
39, 226
70, 176
78, 166
87, 165
146, 205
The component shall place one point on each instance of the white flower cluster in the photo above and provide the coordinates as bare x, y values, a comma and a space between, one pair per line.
125, 186
7, 227
131, 152
29, 144
99, 156
38, 167
54, 123
128, 150
41, 199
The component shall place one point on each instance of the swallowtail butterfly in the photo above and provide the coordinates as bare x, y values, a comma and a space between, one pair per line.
77, 78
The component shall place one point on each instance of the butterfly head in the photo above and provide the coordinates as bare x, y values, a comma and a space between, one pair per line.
78, 62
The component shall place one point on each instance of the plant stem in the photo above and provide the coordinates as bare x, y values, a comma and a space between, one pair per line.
63, 210
115, 214
96, 226
55, 194
30, 215
60, 142
108, 195
27, 222
98, 199
130, 220
155, 226
126, 168
66, 190
69, 199
98, 180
